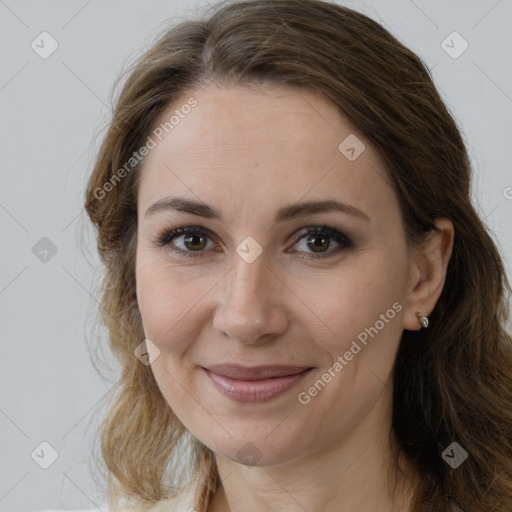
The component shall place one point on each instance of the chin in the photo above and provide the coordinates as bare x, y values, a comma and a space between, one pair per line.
260, 451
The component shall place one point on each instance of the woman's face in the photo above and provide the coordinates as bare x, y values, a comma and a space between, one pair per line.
274, 342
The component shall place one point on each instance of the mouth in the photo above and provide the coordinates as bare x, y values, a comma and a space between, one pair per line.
257, 383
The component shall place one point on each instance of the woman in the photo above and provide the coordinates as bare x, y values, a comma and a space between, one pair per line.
308, 312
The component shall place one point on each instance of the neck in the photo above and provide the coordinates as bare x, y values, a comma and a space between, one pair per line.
356, 473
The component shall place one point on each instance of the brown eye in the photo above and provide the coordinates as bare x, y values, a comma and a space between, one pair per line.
195, 242
188, 241
321, 241
318, 243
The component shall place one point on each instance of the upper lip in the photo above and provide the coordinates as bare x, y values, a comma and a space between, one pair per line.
238, 372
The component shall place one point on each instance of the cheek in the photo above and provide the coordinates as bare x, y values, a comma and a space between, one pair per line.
166, 303
348, 302
362, 307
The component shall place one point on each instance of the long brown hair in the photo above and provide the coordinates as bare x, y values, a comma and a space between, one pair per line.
452, 381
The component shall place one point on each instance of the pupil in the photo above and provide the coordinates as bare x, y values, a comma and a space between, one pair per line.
322, 244
191, 238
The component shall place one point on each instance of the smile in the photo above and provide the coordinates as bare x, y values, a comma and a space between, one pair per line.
255, 384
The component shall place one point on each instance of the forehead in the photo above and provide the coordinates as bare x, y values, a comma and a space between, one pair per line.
274, 143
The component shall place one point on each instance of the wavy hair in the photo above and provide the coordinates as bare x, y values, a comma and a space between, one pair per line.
453, 381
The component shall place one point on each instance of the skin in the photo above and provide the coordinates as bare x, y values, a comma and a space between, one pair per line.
249, 153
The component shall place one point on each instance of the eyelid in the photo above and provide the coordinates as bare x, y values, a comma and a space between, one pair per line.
331, 232
323, 229
166, 236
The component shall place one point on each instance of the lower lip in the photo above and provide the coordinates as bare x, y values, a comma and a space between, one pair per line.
255, 390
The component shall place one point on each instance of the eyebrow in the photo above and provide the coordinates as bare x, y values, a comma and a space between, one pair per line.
286, 213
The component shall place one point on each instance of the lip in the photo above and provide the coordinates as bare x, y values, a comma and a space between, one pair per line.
256, 383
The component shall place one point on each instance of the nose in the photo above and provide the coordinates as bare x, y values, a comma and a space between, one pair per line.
249, 308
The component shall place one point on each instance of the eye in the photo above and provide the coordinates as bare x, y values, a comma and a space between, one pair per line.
192, 241
319, 240
185, 241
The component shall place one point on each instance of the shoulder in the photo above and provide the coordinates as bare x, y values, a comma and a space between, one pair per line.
183, 501
103, 508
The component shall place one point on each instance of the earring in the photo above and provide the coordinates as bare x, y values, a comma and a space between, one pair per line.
422, 320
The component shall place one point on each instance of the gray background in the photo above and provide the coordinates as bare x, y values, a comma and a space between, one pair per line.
51, 111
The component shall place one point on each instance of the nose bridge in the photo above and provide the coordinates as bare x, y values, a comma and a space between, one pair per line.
247, 284
248, 307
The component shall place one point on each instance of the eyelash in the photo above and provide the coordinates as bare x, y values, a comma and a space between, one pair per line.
166, 237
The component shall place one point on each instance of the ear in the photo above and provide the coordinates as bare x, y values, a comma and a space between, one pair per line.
427, 273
